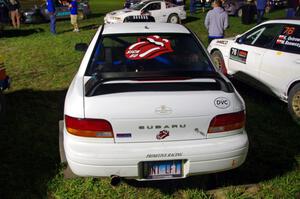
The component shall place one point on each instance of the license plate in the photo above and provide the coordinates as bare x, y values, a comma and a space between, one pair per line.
162, 169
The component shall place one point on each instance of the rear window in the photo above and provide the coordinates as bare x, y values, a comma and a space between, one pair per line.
148, 53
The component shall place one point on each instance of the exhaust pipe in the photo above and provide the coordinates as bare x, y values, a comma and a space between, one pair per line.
115, 180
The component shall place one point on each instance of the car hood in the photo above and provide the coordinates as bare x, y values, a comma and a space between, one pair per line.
223, 42
121, 12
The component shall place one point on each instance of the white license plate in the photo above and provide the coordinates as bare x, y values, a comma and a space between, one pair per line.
163, 169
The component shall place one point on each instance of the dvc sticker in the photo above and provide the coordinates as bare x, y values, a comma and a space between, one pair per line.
222, 103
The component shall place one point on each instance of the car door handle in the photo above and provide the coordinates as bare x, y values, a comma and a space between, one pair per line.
297, 61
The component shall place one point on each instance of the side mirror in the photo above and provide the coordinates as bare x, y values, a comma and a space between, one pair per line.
238, 39
144, 11
82, 47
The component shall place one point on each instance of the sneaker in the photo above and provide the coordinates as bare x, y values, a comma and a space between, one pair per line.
76, 30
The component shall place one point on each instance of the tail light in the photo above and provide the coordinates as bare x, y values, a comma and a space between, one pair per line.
89, 127
227, 122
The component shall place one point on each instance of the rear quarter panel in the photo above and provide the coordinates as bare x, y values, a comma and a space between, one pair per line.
74, 102
224, 49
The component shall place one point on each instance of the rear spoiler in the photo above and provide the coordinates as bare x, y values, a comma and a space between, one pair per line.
94, 83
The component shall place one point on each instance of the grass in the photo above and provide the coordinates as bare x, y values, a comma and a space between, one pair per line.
42, 66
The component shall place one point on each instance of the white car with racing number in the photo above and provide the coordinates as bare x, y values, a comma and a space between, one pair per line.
147, 103
267, 56
162, 12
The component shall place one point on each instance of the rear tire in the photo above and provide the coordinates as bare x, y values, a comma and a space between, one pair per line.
173, 18
218, 59
294, 103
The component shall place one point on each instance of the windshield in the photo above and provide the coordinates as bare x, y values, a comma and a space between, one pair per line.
148, 53
138, 6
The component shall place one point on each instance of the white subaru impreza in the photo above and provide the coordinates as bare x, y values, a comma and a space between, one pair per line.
147, 103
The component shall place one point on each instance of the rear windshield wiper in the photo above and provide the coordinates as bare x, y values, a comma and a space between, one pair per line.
99, 79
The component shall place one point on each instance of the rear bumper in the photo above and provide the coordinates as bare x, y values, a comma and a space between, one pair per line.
92, 158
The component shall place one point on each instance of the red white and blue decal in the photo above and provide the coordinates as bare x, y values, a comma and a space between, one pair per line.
238, 55
148, 48
288, 38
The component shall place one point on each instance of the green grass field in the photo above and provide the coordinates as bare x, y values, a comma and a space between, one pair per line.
42, 66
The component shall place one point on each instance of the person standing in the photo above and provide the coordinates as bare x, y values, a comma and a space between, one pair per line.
260, 7
192, 7
292, 6
73, 14
13, 7
216, 21
52, 15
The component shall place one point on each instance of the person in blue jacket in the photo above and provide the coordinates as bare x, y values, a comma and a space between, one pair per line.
192, 7
260, 6
52, 15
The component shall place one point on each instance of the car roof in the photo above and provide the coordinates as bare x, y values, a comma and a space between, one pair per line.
288, 21
127, 28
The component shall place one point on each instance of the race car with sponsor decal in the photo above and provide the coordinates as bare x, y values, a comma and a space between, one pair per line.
267, 56
161, 10
129, 3
139, 18
148, 103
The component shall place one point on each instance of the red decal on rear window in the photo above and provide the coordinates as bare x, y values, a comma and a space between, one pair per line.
288, 30
148, 48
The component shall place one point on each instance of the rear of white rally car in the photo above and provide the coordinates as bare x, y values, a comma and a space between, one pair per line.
153, 135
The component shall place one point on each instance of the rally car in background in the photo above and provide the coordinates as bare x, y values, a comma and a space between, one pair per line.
234, 7
39, 13
147, 103
161, 10
267, 56
129, 3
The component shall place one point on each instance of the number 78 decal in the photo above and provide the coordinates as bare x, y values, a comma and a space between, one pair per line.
238, 55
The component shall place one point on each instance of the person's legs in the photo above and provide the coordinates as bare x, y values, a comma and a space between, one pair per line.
53, 23
291, 12
13, 18
18, 19
192, 6
1, 13
74, 23
260, 15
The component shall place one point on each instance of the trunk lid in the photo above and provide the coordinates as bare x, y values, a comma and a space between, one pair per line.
158, 116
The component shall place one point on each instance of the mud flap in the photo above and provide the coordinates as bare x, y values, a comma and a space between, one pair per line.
68, 174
